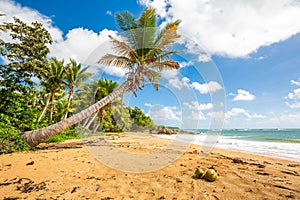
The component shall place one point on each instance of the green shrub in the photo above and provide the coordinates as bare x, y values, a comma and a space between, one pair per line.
10, 139
67, 134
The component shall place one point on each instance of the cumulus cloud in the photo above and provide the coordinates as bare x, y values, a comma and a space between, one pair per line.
185, 64
161, 114
240, 111
174, 80
204, 58
293, 82
195, 110
28, 15
294, 96
86, 47
206, 88
234, 28
160, 5
194, 105
243, 95
293, 105
79, 43
177, 82
108, 12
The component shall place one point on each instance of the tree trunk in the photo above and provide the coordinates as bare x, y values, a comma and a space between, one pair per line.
91, 121
69, 102
52, 104
33, 138
45, 109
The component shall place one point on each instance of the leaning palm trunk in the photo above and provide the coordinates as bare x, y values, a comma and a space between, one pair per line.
35, 137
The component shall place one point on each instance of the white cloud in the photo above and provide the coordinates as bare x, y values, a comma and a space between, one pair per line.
148, 105
173, 79
28, 15
185, 64
206, 88
83, 45
160, 5
234, 28
217, 115
196, 116
204, 58
240, 111
293, 105
294, 95
194, 105
161, 114
243, 95
178, 83
293, 82
289, 120
195, 110
79, 43
108, 12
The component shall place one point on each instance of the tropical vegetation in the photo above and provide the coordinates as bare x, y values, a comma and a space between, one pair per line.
38, 93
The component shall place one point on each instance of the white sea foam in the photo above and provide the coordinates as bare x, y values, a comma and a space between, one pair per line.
284, 150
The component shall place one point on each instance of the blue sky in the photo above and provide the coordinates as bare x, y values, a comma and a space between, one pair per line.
245, 75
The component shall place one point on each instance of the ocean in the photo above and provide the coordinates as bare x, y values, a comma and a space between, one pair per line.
277, 143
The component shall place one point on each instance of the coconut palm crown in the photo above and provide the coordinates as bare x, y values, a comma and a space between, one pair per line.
144, 51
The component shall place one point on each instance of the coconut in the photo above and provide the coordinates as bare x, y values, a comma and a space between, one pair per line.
199, 173
211, 175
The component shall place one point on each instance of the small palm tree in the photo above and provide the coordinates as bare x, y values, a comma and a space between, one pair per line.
143, 53
104, 88
75, 75
53, 81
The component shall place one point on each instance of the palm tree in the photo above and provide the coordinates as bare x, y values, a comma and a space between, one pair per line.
54, 77
104, 88
144, 53
74, 76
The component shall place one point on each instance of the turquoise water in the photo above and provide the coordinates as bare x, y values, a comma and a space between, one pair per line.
275, 135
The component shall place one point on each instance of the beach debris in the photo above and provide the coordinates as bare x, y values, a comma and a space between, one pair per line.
293, 165
30, 163
237, 160
291, 173
107, 198
263, 173
199, 173
178, 180
30, 186
210, 175
11, 198
75, 189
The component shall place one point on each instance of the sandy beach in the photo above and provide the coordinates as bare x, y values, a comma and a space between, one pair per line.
75, 170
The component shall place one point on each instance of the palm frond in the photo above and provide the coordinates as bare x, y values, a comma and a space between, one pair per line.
148, 18
166, 54
123, 49
165, 65
125, 21
147, 32
116, 61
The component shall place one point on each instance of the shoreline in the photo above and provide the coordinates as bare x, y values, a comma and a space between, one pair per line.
69, 170
281, 150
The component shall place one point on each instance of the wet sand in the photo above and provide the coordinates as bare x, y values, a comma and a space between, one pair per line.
97, 169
